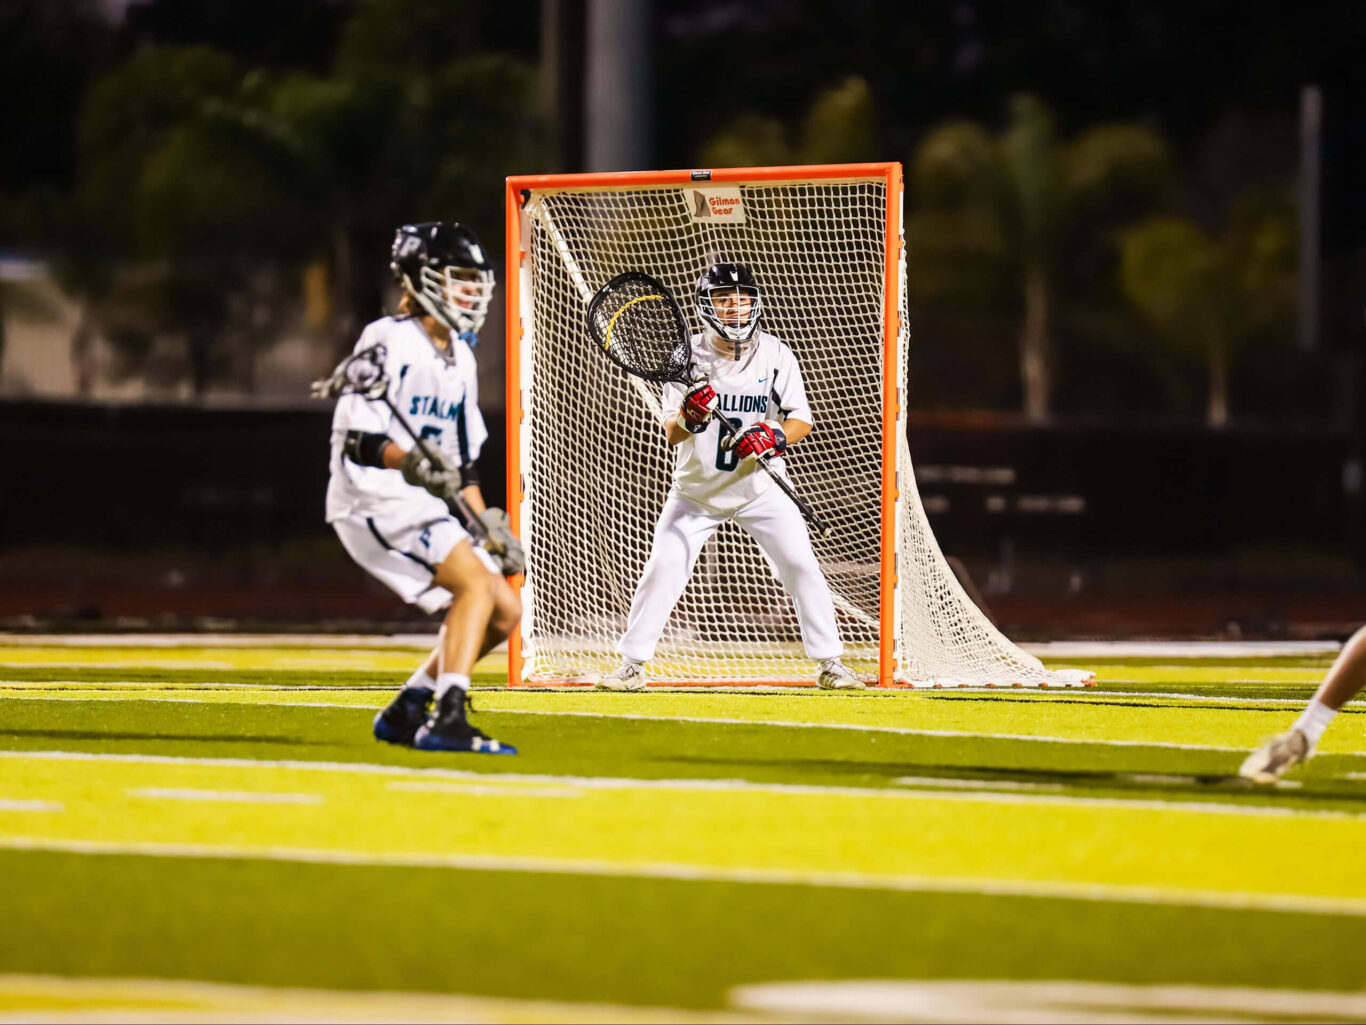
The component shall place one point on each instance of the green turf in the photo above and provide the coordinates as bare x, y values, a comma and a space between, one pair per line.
627, 940
1065, 792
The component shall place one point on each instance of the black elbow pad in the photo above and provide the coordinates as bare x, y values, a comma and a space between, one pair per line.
469, 475
365, 449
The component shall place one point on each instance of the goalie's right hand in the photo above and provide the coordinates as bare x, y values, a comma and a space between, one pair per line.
440, 478
699, 403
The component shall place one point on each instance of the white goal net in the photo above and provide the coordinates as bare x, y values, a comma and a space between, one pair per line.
595, 468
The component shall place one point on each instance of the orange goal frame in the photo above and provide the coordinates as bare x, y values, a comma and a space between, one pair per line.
518, 190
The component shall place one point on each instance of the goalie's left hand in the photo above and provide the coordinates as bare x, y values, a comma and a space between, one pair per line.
503, 544
760, 440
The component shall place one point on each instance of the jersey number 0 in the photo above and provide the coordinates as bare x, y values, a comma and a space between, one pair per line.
727, 458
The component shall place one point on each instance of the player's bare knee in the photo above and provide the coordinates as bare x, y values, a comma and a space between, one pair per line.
508, 610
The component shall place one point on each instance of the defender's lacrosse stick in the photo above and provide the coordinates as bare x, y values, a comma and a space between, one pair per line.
638, 324
362, 373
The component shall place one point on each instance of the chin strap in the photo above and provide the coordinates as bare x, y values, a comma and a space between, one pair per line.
469, 338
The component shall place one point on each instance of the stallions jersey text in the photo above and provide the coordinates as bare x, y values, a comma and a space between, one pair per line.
439, 398
764, 384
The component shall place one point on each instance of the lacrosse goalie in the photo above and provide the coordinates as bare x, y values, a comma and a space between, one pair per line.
752, 378
404, 493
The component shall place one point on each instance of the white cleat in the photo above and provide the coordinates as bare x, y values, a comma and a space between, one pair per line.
627, 676
835, 675
1272, 759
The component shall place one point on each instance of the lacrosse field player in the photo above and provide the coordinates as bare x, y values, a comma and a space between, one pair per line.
404, 493
752, 378
1345, 680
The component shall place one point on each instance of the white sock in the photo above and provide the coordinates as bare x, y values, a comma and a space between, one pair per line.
830, 663
421, 678
1314, 720
446, 681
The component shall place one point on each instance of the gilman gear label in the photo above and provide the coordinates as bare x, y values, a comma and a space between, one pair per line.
718, 205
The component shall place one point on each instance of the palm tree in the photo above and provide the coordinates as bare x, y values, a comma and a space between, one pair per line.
1009, 206
1210, 295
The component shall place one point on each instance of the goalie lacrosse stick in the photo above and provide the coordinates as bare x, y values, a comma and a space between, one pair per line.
638, 324
362, 373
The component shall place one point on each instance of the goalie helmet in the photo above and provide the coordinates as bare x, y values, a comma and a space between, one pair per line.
728, 277
443, 267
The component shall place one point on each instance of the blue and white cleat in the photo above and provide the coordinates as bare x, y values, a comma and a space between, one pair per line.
449, 729
404, 716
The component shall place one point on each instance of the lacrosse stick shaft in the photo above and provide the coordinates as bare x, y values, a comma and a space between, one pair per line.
817, 524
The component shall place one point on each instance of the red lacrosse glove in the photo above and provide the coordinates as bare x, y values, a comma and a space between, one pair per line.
764, 437
699, 403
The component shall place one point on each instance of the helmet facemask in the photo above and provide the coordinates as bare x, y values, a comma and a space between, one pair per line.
732, 312
458, 297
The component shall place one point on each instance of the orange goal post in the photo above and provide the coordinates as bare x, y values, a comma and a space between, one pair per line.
826, 245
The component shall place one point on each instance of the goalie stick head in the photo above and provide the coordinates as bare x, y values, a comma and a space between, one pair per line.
729, 302
445, 269
636, 322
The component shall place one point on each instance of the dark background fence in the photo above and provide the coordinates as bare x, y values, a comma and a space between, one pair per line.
177, 515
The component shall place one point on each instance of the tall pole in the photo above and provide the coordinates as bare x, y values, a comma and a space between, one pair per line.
1311, 131
562, 87
619, 85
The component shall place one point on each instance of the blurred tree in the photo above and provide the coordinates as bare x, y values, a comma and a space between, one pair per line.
1213, 296
840, 126
187, 182
993, 216
206, 188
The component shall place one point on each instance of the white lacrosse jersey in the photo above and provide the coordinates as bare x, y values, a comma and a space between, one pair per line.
438, 397
764, 384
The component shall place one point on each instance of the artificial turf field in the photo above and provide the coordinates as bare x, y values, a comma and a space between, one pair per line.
211, 831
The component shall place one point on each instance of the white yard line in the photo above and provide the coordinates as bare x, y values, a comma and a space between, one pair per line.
19, 804
1286, 902
1045, 649
904, 730
65, 998
719, 785
950, 783
189, 701
207, 685
1181, 649
230, 796
1127, 697
132, 640
484, 789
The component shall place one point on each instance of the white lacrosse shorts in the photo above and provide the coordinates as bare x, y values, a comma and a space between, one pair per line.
402, 551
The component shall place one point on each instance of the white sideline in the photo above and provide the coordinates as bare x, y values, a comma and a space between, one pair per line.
22, 804
1352, 907
901, 793
856, 727
905, 730
230, 796
146, 999
1180, 649
132, 640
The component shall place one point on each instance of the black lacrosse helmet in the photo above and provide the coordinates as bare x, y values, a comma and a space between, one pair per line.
443, 266
726, 277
